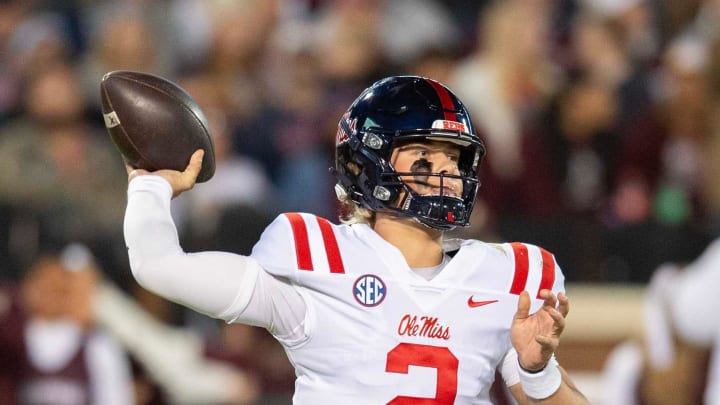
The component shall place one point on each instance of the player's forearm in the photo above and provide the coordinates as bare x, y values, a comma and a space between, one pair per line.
149, 229
209, 282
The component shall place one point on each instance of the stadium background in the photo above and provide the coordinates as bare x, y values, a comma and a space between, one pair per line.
600, 118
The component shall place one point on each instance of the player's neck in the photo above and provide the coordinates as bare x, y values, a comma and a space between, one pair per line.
421, 246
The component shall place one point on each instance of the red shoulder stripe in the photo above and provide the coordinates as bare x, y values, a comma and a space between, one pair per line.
447, 103
331, 246
548, 271
302, 242
521, 268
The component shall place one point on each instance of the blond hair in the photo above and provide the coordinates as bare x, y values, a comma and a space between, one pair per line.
351, 213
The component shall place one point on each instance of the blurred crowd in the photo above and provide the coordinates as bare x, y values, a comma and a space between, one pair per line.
600, 119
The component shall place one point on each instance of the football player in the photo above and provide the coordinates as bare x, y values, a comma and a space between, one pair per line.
380, 309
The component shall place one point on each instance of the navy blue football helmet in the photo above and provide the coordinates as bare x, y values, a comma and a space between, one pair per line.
392, 112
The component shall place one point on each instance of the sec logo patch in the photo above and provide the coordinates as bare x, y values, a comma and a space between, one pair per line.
369, 290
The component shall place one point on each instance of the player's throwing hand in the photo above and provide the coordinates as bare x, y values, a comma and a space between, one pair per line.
180, 181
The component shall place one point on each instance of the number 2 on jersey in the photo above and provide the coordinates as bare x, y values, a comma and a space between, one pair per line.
440, 358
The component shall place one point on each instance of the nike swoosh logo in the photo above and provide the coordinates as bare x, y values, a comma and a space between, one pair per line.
473, 304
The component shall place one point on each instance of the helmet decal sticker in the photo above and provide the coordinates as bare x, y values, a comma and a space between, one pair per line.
449, 125
342, 136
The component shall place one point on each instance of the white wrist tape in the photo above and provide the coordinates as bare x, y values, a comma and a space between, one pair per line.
542, 384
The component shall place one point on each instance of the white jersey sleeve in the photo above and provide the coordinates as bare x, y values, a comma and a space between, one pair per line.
535, 269
209, 282
222, 285
285, 251
277, 248
297, 244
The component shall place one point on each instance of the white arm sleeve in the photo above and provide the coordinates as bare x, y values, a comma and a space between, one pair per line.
222, 285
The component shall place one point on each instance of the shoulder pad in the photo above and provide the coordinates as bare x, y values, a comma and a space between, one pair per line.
534, 269
297, 242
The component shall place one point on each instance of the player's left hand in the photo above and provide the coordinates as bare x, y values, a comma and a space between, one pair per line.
536, 337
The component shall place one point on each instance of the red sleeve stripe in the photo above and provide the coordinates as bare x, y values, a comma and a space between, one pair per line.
548, 271
302, 242
521, 268
447, 103
331, 246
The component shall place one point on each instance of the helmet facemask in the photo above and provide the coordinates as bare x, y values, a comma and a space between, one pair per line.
451, 202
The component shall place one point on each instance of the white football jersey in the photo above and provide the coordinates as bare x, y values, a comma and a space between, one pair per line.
380, 334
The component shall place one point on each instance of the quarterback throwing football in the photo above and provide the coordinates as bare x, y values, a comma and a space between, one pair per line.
380, 309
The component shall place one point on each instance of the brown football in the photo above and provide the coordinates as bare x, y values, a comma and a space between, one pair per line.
154, 123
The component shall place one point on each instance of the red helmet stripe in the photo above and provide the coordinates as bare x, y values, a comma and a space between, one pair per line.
445, 100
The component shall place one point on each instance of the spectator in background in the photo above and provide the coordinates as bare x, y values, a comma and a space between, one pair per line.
599, 52
123, 36
508, 82
325, 74
686, 112
11, 14
43, 154
198, 215
658, 207
712, 165
582, 145
25, 38
572, 151
301, 134
645, 25
411, 28
174, 358
602, 58
505, 81
255, 350
66, 333
239, 63
50, 348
